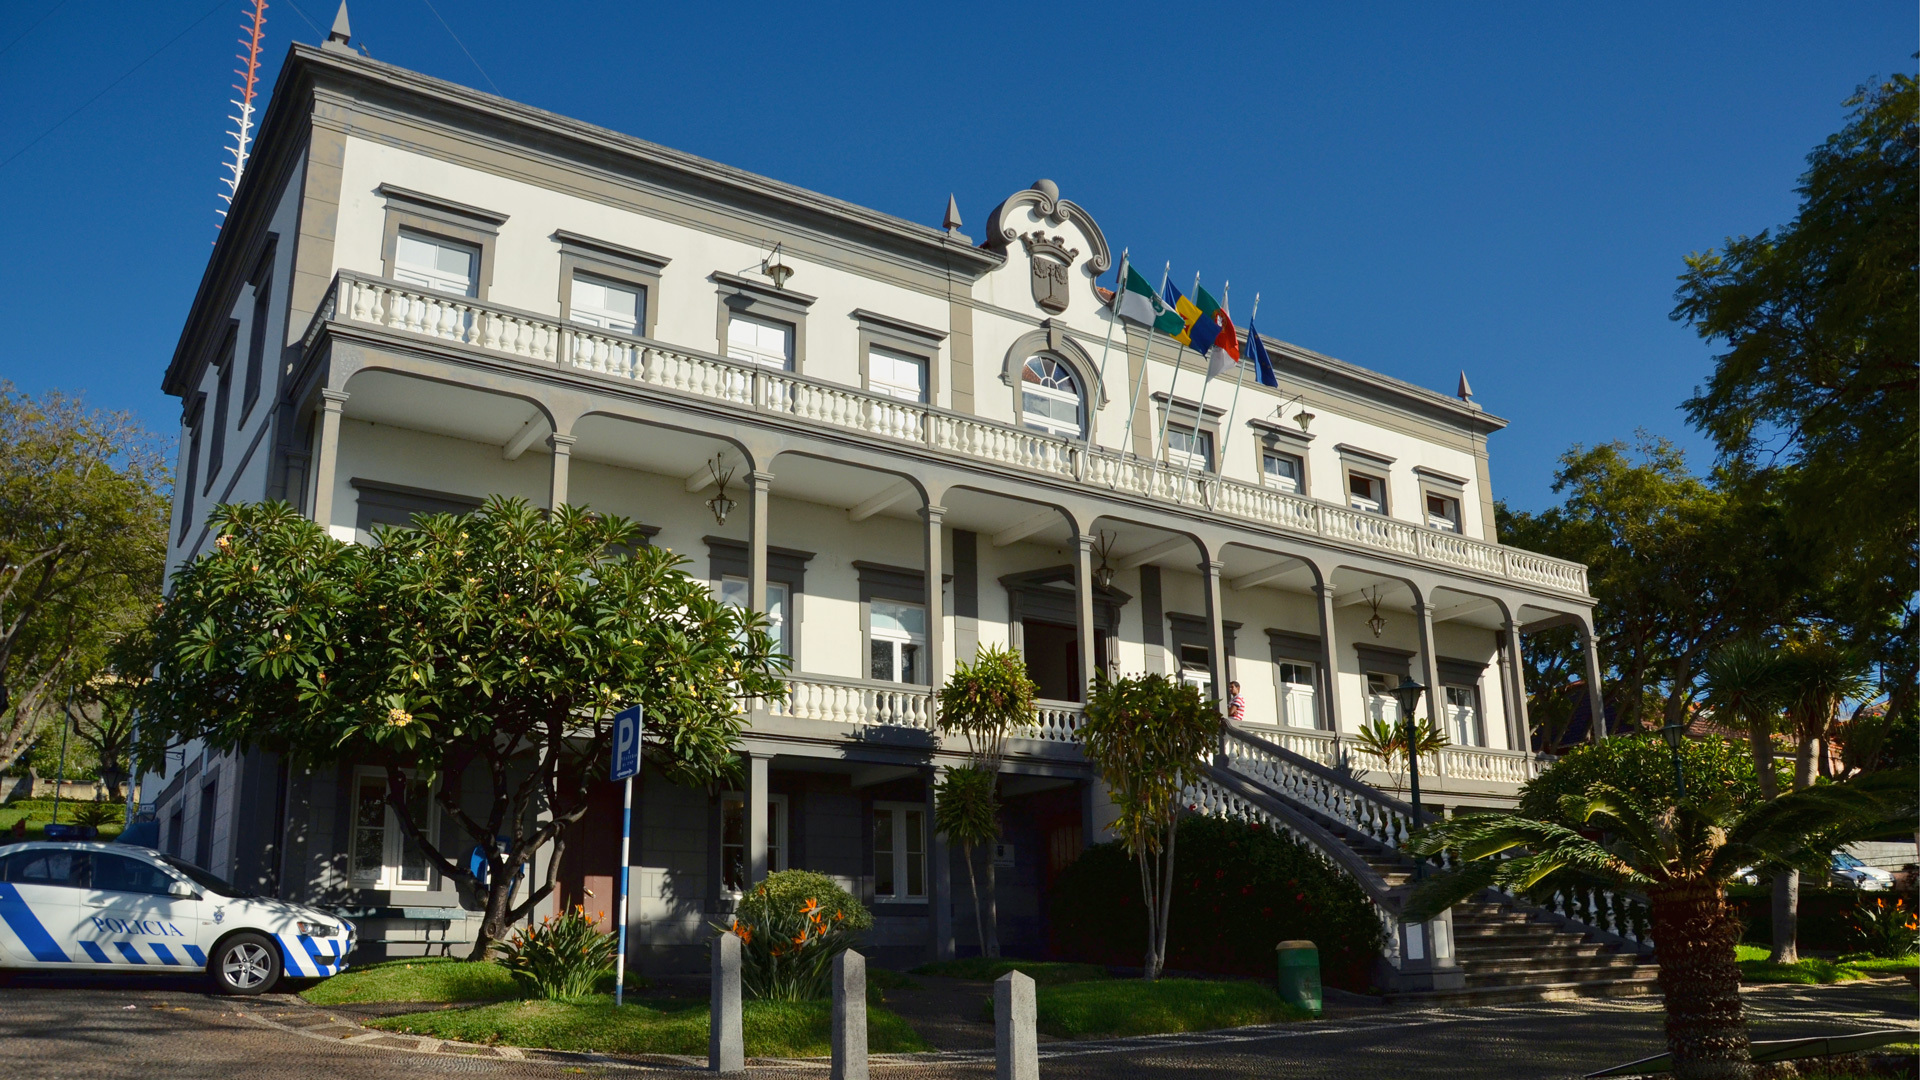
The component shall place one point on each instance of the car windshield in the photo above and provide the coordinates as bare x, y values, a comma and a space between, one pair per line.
1845, 861
214, 885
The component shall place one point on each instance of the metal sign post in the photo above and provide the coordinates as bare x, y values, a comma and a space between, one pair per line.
626, 762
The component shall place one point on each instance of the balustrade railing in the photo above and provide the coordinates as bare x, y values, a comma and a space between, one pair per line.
1054, 721
543, 340
859, 702
1321, 789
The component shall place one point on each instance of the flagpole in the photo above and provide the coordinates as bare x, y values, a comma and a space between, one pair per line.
1174, 387
1199, 411
1146, 365
1234, 408
1113, 316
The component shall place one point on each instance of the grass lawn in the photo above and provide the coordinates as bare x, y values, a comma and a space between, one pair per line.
1043, 973
39, 812
1110, 1007
431, 978
656, 1026
1756, 968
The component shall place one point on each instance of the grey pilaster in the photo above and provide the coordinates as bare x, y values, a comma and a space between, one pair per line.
1430, 661
849, 1034
1596, 701
726, 1044
562, 447
1016, 1051
939, 874
757, 823
1217, 651
759, 488
1329, 662
936, 616
1083, 608
1517, 680
327, 455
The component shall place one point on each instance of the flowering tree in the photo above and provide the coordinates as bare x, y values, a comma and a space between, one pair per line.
1150, 736
982, 701
484, 654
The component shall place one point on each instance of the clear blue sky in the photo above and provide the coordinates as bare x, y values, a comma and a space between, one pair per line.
1418, 188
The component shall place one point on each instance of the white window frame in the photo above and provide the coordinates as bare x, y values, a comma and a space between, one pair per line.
1299, 701
1465, 723
901, 856
1196, 672
899, 641
1180, 448
1381, 702
732, 591
1449, 521
893, 388
757, 353
1280, 481
393, 837
777, 849
1375, 504
1044, 386
602, 317
434, 278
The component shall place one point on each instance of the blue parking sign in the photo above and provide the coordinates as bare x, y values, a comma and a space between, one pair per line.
626, 743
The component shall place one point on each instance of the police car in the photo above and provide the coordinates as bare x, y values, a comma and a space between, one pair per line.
93, 907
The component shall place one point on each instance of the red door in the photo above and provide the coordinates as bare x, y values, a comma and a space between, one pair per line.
592, 858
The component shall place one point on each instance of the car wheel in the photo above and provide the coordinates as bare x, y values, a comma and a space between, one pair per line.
245, 964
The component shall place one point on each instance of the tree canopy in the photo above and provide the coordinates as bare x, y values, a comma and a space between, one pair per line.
487, 652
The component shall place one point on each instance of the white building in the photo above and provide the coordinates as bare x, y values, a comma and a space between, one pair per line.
424, 295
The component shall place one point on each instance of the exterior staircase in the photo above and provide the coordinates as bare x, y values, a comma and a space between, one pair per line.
1581, 942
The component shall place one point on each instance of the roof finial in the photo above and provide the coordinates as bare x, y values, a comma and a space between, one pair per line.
952, 222
1465, 393
342, 32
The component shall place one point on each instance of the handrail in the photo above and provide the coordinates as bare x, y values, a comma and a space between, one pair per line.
1357, 787
542, 339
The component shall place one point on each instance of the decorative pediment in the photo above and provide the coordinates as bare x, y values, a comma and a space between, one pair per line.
1025, 216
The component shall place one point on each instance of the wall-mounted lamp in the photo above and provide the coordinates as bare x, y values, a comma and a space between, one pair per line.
720, 504
1376, 624
775, 269
1303, 418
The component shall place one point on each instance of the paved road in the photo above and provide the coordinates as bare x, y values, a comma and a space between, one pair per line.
61, 1028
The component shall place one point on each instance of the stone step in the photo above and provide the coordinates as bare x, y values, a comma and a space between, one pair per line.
1485, 949
1517, 932
1549, 976
1478, 967
1496, 995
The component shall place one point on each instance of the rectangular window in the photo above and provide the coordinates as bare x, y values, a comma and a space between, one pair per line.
1367, 494
733, 592
1297, 707
203, 842
1381, 704
898, 633
193, 473
1443, 513
760, 341
384, 856
609, 305
257, 338
1281, 472
1190, 449
433, 263
733, 838
223, 392
1463, 717
1195, 669
897, 375
899, 851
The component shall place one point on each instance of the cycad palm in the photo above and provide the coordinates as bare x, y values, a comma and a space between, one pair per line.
1682, 857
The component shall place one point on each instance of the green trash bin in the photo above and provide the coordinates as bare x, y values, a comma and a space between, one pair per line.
1300, 974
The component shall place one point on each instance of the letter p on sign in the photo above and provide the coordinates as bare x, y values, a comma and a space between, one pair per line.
626, 743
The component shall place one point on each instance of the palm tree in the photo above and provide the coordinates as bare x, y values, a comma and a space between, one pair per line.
1681, 857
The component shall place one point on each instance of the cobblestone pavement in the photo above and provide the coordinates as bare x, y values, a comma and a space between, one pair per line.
158, 1029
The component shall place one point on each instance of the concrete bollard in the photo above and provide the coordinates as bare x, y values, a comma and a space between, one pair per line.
1016, 1051
726, 1046
849, 1017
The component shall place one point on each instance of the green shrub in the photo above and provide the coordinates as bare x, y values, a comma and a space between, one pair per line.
1240, 888
790, 927
1642, 766
561, 958
1886, 927
97, 814
1828, 915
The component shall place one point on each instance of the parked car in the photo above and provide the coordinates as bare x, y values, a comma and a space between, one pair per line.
1849, 872
89, 906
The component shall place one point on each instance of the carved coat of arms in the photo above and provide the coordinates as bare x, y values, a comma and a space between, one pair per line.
1051, 258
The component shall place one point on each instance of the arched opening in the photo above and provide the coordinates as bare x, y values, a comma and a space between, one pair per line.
1051, 398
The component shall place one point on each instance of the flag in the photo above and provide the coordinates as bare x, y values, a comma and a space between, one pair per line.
1262, 363
1204, 327
1137, 301
1184, 309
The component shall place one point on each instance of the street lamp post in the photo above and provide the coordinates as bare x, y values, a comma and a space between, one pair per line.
1674, 733
1408, 694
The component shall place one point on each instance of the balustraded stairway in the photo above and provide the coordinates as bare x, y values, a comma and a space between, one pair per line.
1582, 943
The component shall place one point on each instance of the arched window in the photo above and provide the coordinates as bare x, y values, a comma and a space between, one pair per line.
1050, 398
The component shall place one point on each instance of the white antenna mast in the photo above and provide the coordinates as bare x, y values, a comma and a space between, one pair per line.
249, 72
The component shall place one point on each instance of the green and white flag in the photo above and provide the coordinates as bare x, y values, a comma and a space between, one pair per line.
1139, 302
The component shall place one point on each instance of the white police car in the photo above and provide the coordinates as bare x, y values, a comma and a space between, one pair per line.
91, 907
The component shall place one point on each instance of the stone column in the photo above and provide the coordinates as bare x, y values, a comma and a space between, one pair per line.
1517, 681
1016, 1051
1590, 648
757, 823
327, 459
1430, 660
939, 874
562, 447
726, 1044
1083, 608
936, 614
849, 1035
1329, 662
1217, 649
759, 485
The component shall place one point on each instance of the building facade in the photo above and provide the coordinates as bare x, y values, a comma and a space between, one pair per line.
901, 442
